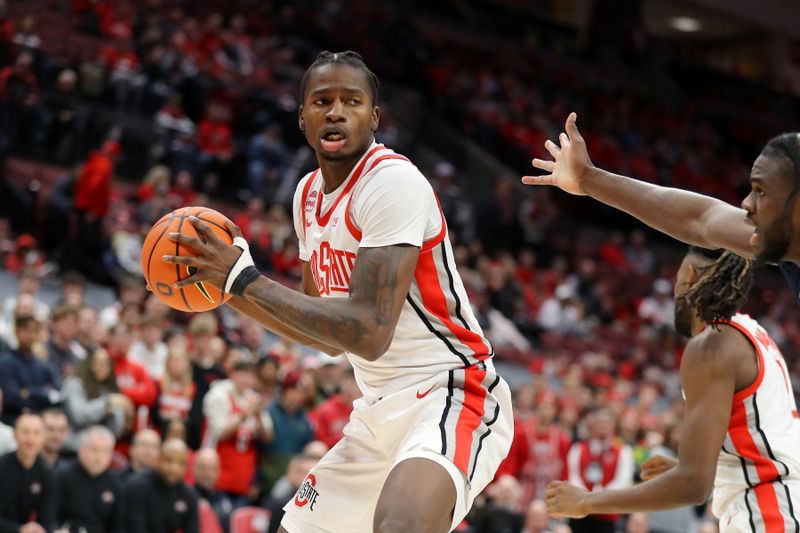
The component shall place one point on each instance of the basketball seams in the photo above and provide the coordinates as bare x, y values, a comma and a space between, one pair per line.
155, 244
178, 267
220, 226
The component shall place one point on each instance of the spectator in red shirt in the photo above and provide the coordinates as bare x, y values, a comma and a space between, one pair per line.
330, 417
215, 140
600, 462
549, 446
92, 199
182, 192
255, 211
518, 455
132, 378
17, 81
23, 115
175, 391
93, 188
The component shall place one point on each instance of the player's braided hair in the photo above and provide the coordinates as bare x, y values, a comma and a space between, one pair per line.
723, 286
787, 147
348, 57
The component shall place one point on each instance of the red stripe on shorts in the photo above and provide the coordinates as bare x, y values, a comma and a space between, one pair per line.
470, 417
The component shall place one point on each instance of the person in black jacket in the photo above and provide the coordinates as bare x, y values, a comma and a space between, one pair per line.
158, 501
206, 474
28, 384
26, 489
88, 497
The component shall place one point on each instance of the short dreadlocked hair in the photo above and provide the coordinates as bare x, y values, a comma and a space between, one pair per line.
349, 58
787, 147
723, 286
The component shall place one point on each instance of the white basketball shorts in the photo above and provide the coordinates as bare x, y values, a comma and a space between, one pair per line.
461, 420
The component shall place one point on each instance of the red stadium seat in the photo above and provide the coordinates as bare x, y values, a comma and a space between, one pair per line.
208, 519
250, 520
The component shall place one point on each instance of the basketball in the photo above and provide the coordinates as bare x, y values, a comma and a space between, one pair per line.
161, 276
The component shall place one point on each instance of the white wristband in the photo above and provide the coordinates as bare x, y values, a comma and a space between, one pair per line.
245, 260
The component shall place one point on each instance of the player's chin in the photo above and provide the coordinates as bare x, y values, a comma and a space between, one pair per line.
343, 154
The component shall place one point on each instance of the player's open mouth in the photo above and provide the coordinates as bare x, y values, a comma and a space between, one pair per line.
754, 238
333, 141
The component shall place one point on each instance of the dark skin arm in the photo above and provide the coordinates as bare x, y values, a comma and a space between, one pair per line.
246, 307
715, 364
684, 215
362, 324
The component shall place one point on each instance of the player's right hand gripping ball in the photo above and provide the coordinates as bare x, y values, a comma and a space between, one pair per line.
161, 276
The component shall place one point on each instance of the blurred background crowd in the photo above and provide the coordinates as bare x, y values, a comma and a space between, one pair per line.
114, 112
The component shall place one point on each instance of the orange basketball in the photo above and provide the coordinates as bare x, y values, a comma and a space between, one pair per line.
160, 276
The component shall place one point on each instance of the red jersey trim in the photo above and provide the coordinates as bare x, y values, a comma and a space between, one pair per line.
354, 230
304, 197
753, 387
429, 245
323, 219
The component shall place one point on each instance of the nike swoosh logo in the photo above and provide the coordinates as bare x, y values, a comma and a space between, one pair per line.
422, 395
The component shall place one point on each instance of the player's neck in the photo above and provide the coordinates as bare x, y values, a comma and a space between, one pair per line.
698, 326
334, 173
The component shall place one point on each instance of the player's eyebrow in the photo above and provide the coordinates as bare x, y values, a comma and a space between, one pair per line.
328, 88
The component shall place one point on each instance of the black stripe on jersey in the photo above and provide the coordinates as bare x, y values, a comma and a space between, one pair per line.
764, 437
488, 428
772, 456
446, 411
749, 511
744, 468
774, 459
726, 451
791, 508
452, 285
430, 327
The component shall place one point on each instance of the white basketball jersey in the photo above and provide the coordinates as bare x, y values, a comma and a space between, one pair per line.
761, 452
384, 201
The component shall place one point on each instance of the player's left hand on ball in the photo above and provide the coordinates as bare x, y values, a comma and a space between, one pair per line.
213, 258
565, 500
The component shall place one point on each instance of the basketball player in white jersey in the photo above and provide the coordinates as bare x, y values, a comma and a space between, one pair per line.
741, 433
380, 285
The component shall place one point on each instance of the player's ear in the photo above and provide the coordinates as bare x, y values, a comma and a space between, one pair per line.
375, 120
301, 119
691, 274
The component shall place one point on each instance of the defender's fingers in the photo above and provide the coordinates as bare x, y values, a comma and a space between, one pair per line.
553, 148
539, 180
543, 164
572, 128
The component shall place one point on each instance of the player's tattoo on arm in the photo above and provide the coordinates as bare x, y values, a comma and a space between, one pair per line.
362, 324
376, 279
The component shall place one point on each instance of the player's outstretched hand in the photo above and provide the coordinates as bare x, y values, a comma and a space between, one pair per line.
213, 258
565, 500
655, 466
570, 161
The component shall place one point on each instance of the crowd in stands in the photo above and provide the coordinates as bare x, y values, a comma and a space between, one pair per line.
204, 412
